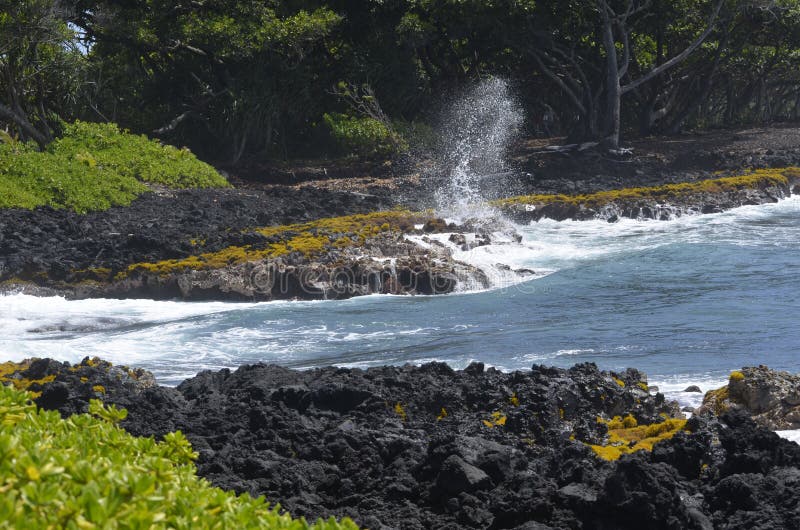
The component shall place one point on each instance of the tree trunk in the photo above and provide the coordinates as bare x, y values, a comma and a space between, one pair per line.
25, 126
613, 88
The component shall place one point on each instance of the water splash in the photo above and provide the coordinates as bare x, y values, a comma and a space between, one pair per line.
477, 129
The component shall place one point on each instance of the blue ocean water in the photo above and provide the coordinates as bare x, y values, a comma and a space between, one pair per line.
686, 301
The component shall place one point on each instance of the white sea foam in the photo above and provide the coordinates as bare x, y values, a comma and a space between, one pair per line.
793, 435
549, 246
177, 339
674, 386
121, 331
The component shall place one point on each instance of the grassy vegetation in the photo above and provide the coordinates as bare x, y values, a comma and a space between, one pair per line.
310, 239
85, 472
93, 167
757, 179
626, 436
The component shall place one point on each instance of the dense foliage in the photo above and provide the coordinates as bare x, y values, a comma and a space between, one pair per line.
93, 167
243, 79
85, 472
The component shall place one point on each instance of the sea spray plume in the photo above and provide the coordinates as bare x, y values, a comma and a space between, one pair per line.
476, 131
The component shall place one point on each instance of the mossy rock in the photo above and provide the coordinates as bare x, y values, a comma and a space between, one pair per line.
307, 240
759, 179
625, 436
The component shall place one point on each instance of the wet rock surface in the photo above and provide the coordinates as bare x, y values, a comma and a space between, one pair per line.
659, 206
431, 447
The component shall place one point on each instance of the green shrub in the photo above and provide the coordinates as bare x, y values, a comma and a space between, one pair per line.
136, 156
93, 167
363, 136
85, 472
29, 178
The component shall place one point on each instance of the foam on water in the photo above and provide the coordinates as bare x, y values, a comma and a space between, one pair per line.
793, 435
568, 312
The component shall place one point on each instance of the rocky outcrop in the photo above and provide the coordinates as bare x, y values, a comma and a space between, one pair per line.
770, 397
385, 264
658, 202
227, 245
330, 258
432, 447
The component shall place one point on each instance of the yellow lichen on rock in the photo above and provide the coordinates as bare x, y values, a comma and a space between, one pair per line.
717, 401
624, 440
758, 178
10, 373
736, 375
310, 239
498, 419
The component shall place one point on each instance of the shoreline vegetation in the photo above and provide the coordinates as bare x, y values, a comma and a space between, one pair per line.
475, 448
93, 167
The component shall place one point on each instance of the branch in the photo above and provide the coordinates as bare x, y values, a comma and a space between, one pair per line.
578, 69
22, 122
678, 58
560, 82
171, 126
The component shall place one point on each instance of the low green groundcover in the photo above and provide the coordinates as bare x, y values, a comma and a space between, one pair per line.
94, 166
85, 472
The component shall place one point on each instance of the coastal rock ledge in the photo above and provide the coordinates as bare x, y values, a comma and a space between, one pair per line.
432, 447
179, 253
770, 397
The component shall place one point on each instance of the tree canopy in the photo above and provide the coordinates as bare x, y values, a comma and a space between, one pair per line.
243, 80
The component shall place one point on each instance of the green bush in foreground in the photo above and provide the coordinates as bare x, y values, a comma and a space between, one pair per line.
85, 472
94, 166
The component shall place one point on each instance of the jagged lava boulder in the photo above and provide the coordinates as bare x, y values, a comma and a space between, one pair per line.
771, 397
432, 447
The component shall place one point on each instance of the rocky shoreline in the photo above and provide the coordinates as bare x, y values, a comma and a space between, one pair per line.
432, 447
213, 245
428, 446
271, 239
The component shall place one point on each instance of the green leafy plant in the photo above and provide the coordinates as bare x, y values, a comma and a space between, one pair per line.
135, 156
85, 472
93, 167
363, 136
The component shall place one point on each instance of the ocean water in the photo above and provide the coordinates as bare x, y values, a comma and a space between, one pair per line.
686, 301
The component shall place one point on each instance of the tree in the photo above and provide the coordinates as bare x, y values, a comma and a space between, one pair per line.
40, 67
614, 26
227, 77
